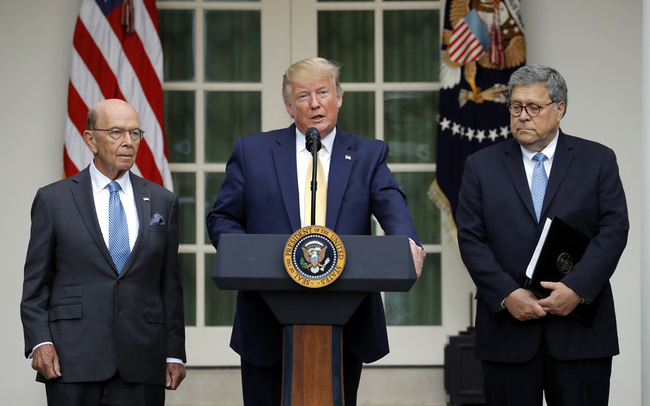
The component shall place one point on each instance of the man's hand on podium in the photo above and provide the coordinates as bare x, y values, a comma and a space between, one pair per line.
418, 257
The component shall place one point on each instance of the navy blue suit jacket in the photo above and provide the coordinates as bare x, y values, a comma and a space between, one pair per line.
101, 321
498, 232
260, 196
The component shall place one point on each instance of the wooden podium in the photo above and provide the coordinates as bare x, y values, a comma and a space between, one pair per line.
313, 317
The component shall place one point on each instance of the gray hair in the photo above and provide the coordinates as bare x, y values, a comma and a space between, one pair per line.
92, 118
535, 74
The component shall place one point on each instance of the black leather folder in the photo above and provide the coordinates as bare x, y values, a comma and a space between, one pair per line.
559, 248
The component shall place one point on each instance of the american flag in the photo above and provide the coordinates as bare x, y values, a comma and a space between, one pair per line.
117, 54
469, 39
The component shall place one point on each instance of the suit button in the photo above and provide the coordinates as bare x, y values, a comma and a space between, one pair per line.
119, 281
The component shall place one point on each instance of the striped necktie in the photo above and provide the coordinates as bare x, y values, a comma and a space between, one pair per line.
118, 229
538, 187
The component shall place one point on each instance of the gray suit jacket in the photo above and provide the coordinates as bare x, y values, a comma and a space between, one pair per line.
101, 322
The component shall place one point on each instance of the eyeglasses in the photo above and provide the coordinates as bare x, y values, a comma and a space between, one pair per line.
532, 109
117, 133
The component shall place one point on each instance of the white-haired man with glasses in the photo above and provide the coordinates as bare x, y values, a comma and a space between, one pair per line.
102, 305
531, 347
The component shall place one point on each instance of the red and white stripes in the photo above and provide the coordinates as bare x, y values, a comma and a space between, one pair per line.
108, 62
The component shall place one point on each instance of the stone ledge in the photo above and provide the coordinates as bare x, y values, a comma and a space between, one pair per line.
379, 386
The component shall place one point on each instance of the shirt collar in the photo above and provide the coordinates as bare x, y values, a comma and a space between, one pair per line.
99, 181
327, 141
549, 151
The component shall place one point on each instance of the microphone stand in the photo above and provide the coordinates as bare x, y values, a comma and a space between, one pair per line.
313, 145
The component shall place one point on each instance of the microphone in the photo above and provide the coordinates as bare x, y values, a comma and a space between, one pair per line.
312, 142
312, 139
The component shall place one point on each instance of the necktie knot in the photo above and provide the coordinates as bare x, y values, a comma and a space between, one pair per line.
539, 157
114, 187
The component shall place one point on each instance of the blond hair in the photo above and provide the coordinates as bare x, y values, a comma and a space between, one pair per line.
308, 71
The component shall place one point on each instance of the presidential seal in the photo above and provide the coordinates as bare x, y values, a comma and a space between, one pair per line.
314, 256
564, 263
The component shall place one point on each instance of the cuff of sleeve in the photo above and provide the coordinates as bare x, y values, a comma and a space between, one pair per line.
175, 361
31, 354
502, 306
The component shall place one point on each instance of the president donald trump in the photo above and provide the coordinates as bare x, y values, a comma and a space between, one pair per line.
264, 192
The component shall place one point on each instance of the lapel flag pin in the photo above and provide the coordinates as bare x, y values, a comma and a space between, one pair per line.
348, 158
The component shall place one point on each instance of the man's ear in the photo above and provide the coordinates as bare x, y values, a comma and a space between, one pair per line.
561, 106
89, 138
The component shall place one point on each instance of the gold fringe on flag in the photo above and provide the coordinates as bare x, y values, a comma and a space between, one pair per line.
449, 231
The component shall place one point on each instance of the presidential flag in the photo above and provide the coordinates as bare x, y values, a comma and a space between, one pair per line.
117, 54
483, 43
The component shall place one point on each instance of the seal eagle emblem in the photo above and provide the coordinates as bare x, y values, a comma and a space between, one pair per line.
314, 256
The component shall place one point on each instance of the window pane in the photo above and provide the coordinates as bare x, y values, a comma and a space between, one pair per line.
213, 183
347, 37
188, 279
409, 126
232, 46
177, 38
357, 115
179, 126
219, 304
185, 189
228, 116
421, 306
425, 214
411, 46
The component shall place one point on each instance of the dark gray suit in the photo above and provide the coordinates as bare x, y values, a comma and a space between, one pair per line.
101, 322
498, 232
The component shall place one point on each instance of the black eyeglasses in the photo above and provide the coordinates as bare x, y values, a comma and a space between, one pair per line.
532, 109
117, 133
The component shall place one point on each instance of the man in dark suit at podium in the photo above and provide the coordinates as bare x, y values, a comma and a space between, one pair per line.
529, 346
264, 193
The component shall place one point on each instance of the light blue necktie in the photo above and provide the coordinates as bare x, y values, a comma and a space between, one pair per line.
118, 230
540, 179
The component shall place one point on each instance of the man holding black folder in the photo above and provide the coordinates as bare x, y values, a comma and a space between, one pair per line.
530, 346
264, 192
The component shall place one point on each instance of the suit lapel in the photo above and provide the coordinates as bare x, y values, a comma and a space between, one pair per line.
142, 198
340, 167
284, 156
83, 197
514, 164
561, 163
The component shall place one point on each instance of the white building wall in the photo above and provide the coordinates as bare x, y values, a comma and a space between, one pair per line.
595, 44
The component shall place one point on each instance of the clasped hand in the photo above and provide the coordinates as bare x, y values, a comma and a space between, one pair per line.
523, 305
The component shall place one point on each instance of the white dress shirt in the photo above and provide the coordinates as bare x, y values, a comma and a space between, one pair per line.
302, 163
